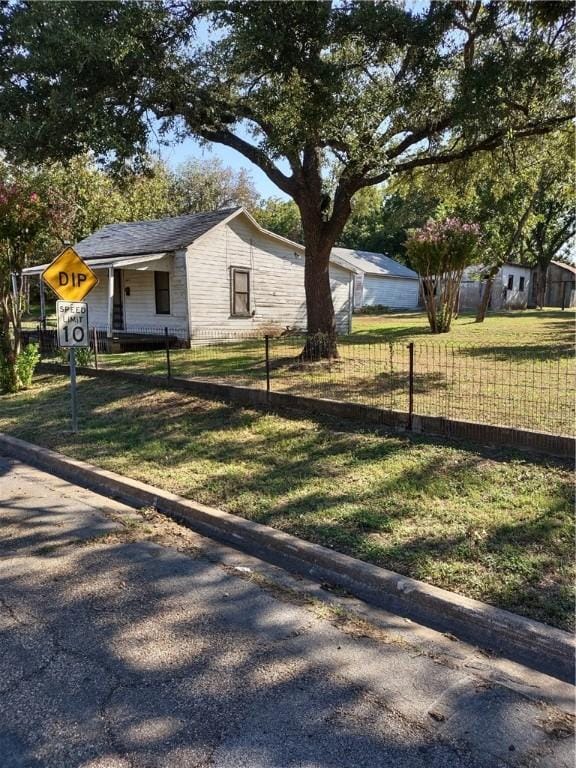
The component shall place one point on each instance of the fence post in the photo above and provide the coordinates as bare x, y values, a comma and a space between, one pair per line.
267, 350
39, 332
95, 347
410, 383
168, 368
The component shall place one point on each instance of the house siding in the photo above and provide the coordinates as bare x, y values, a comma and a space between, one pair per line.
140, 305
471, 294
393, 292
358, 290
276, 285
502, 297
560, 287
472, 288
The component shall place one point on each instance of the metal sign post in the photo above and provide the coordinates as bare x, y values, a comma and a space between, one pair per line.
72, 318
73, 392
71, 279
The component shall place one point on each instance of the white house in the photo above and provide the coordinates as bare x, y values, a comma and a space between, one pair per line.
379, 280
510, 290
217, 271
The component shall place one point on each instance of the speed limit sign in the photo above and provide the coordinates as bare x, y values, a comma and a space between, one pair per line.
72, 318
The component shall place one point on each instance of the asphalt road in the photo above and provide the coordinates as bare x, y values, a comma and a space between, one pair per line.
117, 652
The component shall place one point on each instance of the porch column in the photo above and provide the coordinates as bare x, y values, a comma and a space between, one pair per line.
42, 306
110, 302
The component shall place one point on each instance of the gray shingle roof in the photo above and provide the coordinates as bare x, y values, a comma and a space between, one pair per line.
374, 263
142, 237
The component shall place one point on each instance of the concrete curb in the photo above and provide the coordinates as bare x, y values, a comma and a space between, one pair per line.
542, 647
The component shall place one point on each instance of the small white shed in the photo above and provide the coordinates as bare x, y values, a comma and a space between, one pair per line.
379, 280
510, 289
217, 271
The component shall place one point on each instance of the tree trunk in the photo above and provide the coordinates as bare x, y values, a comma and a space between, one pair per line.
319, 239
429, 299
541, 281
10, 341
8, 356
321, 229
321, 327
486, 294
447, 301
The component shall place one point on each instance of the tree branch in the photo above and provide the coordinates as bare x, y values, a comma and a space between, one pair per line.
420, 133
341, 207
252, 153
487, 144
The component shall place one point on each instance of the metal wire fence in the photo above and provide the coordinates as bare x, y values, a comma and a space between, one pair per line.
515, 387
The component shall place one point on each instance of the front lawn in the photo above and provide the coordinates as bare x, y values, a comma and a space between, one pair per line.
550, 331
490, 524
515, 369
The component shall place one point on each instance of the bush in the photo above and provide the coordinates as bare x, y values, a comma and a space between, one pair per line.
83, 356
26, 363
375, 309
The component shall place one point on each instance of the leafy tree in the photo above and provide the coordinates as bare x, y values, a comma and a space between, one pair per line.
30, 214
553, 223
364, 218
510, 195
441, 251
209, 185
87, 198
150, 194
404, 207
490, 190
376, 87
281, 217
90, 197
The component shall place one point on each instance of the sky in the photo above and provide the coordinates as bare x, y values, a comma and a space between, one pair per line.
179, 152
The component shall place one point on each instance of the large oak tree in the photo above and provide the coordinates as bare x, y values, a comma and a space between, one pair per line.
298, 88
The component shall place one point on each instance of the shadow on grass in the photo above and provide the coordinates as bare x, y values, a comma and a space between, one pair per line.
428, 508
385, 389
558, 349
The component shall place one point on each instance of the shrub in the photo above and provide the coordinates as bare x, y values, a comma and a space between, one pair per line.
440, 251
375, 309
26, 363
83, 356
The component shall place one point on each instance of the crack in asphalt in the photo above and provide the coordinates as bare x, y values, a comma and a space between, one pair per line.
14, 616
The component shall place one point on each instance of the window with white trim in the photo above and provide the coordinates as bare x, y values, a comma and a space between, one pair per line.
240, 292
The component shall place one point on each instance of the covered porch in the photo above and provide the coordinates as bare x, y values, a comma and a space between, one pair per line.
135, 301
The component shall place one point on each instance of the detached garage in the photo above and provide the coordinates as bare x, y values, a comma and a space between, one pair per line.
379, 280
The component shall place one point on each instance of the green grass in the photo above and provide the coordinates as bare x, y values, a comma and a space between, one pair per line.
493, 525
515, 369
524, 333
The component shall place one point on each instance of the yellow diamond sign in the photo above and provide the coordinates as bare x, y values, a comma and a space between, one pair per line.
70, 278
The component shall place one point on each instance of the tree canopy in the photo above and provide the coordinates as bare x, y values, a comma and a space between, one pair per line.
375, 88
205, 185
31, 213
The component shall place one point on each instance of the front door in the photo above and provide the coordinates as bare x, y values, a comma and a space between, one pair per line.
118, 308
